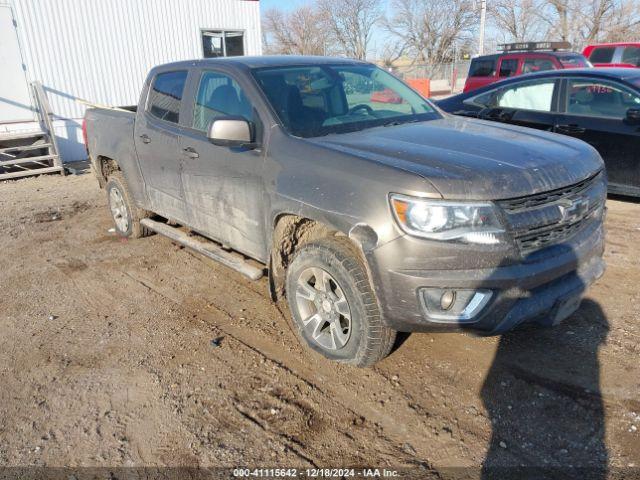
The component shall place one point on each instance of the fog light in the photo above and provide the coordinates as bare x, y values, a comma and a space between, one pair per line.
453, 306
447, 299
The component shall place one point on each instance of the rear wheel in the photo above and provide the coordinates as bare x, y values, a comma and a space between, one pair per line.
333, 305
126, 215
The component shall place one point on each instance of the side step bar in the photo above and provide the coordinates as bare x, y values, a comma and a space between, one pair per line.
206, 248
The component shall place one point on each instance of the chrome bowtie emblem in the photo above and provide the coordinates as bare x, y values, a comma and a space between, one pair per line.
573, 210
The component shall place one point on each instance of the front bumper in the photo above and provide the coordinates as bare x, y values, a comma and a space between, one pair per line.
543, 288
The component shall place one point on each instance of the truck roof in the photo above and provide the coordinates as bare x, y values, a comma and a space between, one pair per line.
523, 53
265, 61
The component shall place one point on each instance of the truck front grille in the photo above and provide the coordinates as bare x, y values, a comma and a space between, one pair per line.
550, 218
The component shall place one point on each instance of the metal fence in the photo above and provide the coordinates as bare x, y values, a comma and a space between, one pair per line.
445, 78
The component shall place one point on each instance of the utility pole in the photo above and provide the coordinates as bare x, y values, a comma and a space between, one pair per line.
483, 18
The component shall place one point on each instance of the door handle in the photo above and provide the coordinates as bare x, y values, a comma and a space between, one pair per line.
145, 138
572, 128
190, 152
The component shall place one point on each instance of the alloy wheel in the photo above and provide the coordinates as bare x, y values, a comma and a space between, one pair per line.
324, 308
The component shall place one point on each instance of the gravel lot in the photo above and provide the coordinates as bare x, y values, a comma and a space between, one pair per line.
106, 359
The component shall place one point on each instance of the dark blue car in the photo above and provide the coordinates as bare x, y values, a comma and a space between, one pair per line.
599, 106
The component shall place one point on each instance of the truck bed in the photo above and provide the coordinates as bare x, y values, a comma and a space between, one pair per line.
110, 132
110, 135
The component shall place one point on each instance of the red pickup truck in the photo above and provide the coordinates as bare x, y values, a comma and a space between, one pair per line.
520, 59
626, 54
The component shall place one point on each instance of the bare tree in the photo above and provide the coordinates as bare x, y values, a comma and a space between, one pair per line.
299, 32
431, 28
391, 52
351, 24
587, 21
623, 24
519, 20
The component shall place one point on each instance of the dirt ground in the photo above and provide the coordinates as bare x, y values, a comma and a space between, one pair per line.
107, 359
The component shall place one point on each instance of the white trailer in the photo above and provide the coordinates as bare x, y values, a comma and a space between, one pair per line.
101, 51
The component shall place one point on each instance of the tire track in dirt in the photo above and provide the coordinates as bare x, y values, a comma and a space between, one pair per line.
406, 426
132, 283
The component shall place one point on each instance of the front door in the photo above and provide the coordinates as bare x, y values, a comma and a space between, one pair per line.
156, 138
15, 102
223, 186
595, 111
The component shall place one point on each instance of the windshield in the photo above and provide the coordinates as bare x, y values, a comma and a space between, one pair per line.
317, 100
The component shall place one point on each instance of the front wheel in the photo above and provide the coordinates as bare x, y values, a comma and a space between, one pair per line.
333, 305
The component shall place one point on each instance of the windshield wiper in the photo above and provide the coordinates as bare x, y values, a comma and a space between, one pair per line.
393, 123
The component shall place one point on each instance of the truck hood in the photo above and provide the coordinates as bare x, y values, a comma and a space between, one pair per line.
471, 159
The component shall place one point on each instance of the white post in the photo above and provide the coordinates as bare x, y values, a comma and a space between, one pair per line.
483, 17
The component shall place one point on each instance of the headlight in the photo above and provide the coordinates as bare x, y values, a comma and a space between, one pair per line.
448, 221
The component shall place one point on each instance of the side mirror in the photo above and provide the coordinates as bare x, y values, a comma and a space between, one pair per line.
633, 116
232, 132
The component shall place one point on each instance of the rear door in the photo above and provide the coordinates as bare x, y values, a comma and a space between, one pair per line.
508, 66
157, 133
595, 111
223, 186
482, 71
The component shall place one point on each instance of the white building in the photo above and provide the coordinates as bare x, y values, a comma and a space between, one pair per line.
101, 51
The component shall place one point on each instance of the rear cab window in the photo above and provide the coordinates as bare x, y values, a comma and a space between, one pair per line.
602, 55
482, 67
165, 95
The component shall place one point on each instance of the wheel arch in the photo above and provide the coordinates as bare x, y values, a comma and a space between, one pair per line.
105, 166
291, 231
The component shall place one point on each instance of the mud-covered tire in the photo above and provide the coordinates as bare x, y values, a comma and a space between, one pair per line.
124, 212
367, 340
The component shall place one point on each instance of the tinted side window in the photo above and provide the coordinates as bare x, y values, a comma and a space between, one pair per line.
602, 55
531, 65
600, 99
219, 95
631, 55
166, 94
482, 68
536, 95
508, 67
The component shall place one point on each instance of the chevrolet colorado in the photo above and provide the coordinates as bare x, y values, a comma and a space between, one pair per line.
370, 217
